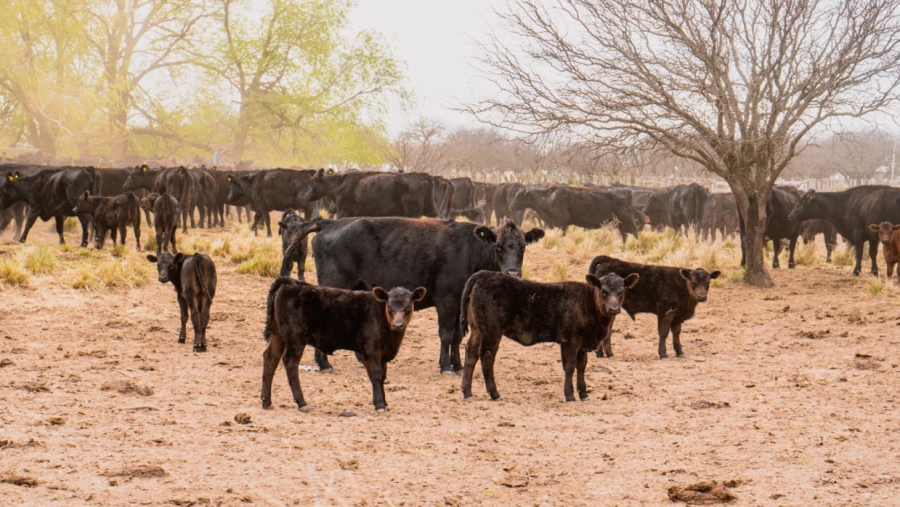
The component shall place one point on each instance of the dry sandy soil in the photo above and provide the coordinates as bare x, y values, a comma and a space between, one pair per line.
789, 392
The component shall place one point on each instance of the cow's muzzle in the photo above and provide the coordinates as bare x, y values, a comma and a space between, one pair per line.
701, 297
513, 272
613, 309
398, 326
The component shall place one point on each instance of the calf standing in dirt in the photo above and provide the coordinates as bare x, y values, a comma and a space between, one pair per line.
669, 293
575, 315
194, 278
889, 235
113, 214
165, 210
370, 323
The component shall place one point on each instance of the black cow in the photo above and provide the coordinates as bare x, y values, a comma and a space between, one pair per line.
173, 181
273, 190
574, 315
816, 226
720, 216
503, 196
113, 214
851, 212
472, 214
165, 210
484, 193
194, 278
401, 252
463, 193
289, 226
370, 323
563, 206
677, 207
779, 227
359, 194
444, 193
51, 193
13, 214
203, 196
669, 293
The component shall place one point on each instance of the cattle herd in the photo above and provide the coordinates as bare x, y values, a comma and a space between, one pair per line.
377, 259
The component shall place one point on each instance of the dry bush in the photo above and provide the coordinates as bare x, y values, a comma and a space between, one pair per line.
264, 260
150, 243
845, 257
805, 255
129, 271
12, 273
560, 271
39, 260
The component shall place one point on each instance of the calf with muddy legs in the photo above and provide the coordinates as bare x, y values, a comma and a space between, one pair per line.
194, 278
165, 210
889, 235
669, 293
370, 323
113, 214
574, 315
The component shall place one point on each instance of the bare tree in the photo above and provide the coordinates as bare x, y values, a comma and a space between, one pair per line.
733, 85
420, 148
855, 156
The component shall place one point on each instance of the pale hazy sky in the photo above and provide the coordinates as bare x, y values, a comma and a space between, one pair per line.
435, 39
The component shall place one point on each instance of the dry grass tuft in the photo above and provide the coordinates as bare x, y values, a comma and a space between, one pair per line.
264, 260
12, 273
844, 257
39, 260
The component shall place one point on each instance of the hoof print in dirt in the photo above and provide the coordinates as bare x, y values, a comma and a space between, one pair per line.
347, 413
349, 464
701, 493
242, 418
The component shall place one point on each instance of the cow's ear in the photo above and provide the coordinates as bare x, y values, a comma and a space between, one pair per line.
144, 168
896, 226
485, 234
632, 280
330, 172
360, 285
320, 173
16, 175
685, 273
534, 235
87, 193
380, 294
152, 258
715, 274
592, 280
418, 294
873, 227
9, 177
281, 224
179, 258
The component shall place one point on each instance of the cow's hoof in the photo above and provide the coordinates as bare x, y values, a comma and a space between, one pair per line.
380, 410
498, 398
467, 396
856, 273
679, 355
329, 370
181, 340
663, 356
304, 408
267, 404
584, 397
448, 372
199, 348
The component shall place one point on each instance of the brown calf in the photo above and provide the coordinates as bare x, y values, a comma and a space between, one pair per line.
889, 235
574, 315
111, 214
370, 323
194, 278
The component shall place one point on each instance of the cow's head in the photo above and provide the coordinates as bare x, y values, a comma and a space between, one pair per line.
697, 282
656, 209
398, 305
523, 199
509, 243
9, 193
289, 225
884, 231
148, 201
138, 178
235, 187
83, 204
318, 186
809, 207
609, 291
167, 265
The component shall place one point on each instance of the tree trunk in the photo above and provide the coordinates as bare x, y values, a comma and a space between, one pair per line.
242, 131
751, 203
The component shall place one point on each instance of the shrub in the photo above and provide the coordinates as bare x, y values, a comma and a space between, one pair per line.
39, 260
265, 260
11, 273
875, 287
845, 257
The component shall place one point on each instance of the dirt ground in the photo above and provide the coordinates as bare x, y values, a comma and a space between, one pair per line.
791, 393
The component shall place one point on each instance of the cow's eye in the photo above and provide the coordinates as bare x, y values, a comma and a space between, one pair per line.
605, 293
693, 285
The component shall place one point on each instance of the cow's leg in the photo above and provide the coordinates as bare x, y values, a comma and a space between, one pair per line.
488, 356
829, 247
183, 305
85, 227
29, 223
375, 369
197, 323
676, 338
60, 223
581, 366
890, 271
776, 251
271, 356
569, 351
873, 254
663, 323
473, 351
858, 246
291, 361
123, 231
172, 238
792, 247
322, 362
137, 235
268, 221
448, 329
205, 304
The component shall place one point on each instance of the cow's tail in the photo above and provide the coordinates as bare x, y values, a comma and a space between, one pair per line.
134, 205
187, 190
96, 181
287, 261
431, 209
464, 303
270, 303
198, 269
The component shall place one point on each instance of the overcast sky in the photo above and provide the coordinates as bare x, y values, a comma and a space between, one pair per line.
435, 39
